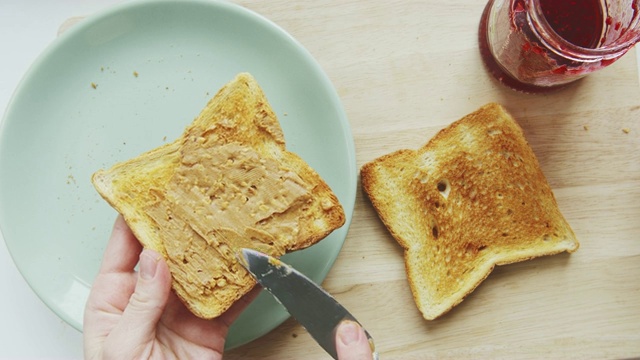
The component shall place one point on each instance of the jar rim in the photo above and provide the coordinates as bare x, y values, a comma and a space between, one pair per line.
558, 44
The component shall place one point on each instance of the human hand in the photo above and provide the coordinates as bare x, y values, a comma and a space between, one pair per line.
136, 315
352, 342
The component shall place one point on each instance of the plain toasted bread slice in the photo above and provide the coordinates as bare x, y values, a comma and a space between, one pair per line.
227, 182
472, 198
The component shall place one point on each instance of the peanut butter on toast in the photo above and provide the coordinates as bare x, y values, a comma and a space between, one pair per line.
228, 182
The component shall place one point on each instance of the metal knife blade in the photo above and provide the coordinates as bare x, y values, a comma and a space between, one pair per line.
308, 303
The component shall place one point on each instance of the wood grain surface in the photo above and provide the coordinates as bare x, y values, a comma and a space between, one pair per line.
406, 69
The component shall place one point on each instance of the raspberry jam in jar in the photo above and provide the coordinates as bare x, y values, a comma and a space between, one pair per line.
537, 45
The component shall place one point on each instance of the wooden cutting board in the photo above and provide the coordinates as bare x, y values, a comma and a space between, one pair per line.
406, 69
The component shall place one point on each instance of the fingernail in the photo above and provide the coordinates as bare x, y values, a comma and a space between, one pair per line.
349, 332
148, 265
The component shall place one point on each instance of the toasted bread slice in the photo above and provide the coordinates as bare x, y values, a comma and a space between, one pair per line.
227, 182
472, 198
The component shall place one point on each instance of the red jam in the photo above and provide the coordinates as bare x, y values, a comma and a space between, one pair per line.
578, 22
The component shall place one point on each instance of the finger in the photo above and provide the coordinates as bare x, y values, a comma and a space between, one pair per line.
123, 249
351, 342
137, 326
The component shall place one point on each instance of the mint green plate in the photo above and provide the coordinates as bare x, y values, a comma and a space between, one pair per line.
154, 65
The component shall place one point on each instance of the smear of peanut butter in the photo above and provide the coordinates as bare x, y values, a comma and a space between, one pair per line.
221, 198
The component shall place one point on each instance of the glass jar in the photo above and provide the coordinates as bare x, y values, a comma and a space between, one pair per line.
536, 45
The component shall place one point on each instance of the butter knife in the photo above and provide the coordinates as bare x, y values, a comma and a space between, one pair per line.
308, 303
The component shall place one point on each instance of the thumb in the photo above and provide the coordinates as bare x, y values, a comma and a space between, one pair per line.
137, 327
352, 342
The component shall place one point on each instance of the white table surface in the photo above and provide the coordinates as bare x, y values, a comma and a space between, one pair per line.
28, 329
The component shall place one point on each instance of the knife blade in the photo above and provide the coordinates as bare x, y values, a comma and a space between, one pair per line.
308, 303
